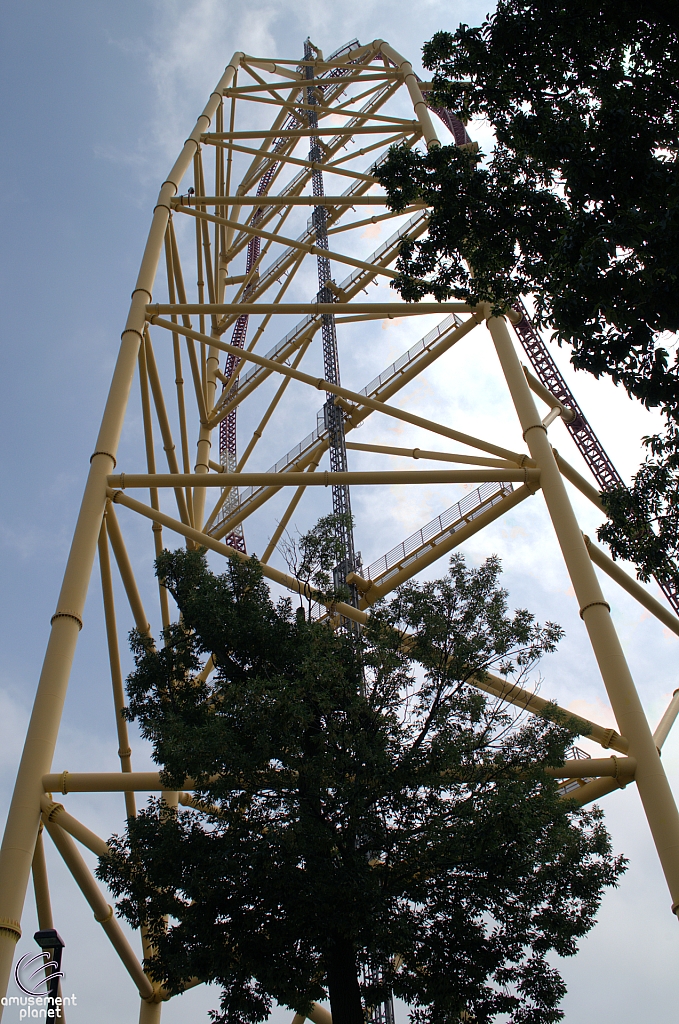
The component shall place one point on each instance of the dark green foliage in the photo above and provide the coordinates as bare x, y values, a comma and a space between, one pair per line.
578, 203
652, 502
583, 96
478, 208
364, 802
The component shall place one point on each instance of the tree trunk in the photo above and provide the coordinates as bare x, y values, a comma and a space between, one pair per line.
343, 987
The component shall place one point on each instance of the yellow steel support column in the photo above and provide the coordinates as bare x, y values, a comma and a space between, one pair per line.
654, 789
126, 572
149, 1013
103, 912
43, 902
21, 830
413, 87
317, 1014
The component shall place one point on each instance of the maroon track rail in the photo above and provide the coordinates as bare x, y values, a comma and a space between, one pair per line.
549, 375
588, 444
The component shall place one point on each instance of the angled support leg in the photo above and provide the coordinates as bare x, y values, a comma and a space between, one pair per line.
654, 789
21, 830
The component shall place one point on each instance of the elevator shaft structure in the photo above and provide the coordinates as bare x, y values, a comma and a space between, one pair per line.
332, 413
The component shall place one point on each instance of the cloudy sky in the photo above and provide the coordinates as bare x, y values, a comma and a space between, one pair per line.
97, 99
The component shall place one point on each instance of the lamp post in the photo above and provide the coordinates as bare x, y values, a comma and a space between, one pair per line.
52, 944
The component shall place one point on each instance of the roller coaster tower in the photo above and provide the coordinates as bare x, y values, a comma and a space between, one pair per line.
268, 203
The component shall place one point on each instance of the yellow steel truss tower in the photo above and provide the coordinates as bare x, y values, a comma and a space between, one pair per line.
278, 180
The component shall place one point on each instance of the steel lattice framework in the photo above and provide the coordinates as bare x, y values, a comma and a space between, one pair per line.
269, 203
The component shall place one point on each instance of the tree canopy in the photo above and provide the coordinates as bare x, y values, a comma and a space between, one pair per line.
578, 205
357, 802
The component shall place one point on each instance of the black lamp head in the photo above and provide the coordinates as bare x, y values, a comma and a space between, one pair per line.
49, 939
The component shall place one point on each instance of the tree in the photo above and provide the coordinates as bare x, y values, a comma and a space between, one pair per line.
578, 202
312, 557
644, 519
357, 802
